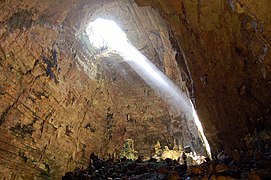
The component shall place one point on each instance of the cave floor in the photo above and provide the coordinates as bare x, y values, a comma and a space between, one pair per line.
221, 169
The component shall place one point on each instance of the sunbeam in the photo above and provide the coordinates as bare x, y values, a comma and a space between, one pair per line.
104, 32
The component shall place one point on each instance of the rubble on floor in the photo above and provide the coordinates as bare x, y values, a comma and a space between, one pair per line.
224, 168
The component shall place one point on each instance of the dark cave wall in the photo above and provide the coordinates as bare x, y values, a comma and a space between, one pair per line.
226, 44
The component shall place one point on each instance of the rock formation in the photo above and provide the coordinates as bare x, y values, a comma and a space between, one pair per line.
226, 45
61, 99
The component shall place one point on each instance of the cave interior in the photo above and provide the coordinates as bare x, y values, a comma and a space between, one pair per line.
159, 78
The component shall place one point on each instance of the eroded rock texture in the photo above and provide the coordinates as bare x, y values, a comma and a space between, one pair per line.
61, 99
226, 44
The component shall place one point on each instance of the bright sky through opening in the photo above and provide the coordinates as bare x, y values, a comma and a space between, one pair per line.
107, 34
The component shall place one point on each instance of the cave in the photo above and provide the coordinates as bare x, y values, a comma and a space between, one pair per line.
89, 76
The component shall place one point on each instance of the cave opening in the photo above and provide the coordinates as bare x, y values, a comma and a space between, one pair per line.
65, 93
105, 34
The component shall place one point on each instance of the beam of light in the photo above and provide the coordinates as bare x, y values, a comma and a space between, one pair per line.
107, 33
199, 126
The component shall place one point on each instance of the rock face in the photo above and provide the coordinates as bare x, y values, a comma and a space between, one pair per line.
61, 99
226, 45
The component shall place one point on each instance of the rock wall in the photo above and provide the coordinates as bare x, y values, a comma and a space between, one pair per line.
60, 100
226, 45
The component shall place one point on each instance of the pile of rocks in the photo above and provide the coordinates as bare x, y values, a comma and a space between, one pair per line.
128, 169
224, 168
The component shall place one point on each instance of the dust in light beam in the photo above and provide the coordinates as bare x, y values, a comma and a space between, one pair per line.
106, 33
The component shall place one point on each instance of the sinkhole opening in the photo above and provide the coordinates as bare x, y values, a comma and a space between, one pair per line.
106, 34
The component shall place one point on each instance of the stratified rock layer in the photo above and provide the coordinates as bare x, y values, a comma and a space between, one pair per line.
61, 99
